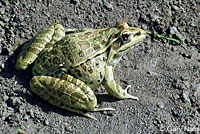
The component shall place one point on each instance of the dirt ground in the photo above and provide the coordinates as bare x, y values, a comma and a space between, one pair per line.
165, 76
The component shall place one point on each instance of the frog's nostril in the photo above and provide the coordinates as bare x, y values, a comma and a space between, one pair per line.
138, 33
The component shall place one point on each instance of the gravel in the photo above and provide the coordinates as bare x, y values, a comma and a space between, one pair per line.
165, 76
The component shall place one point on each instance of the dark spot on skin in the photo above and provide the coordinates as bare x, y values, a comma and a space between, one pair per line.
77, 96
96, 46
74, 81
35, 71
104, 59
43, 83
97, 64
69, 71
43, 60
104, 31
51, 91
56, 60
73, 101
81, 54
71, 59
53, 81
91, 82
99, 81
78, 72
84, 44
61, 104
116, 36
91, 50
83, 67
90, 71
59, 93
72, 35
103, 41
54, 52
51, 100
98, 38
82, 37
88, 33
101, 75
64, 50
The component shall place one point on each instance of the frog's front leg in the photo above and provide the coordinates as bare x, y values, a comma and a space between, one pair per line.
44, 39
66, 92
113, 88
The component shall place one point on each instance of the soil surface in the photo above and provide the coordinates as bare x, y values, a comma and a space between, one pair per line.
165, 76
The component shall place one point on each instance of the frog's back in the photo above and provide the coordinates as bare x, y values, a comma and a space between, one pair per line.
79, 47
73, 50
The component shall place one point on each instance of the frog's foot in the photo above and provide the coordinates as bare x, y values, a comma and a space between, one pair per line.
130, 96
80, 112
115, 89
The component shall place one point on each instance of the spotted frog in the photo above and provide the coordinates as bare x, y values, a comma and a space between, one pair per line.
69, 63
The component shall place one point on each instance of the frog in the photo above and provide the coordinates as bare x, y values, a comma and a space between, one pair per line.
67, 64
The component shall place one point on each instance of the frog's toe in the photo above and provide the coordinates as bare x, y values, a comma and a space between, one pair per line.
129, 86
90, 116
103, 109
128, 96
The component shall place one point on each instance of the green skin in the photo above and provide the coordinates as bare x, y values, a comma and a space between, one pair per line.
67, 67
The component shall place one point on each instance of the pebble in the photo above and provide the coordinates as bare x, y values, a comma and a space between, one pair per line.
186, 55
108, 6
186, 95
75, 2
197, 93
2, 65
26, 118
46, 122
30, 112
13, 102
176, 8
5, 2
152, 73
198, 87
186, 84
5, 97
154, 17
174, 31
161, 104
11, 119
2, 10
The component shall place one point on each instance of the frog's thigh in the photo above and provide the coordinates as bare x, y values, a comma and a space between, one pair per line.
31, 50
69, 93
64, 93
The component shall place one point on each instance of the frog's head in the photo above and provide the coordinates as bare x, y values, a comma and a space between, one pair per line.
125, 39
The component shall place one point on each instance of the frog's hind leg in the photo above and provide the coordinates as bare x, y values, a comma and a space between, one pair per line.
68, 93
42, 40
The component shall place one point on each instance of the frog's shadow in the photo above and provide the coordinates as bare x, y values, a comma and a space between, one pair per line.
23, 78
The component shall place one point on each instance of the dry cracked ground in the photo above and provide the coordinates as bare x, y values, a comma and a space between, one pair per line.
165, 76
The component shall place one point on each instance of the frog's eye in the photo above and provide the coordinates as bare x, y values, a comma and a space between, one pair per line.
125, 36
